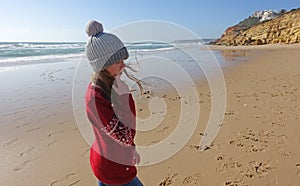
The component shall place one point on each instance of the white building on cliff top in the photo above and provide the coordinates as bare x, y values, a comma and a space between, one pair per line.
265, 15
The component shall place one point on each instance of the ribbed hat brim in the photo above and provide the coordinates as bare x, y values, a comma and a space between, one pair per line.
121, 54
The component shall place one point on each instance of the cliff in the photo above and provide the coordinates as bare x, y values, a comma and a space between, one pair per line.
285, 28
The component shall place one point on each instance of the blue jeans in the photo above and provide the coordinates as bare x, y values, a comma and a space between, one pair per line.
134, 182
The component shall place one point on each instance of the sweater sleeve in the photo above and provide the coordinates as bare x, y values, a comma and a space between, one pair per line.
116, 121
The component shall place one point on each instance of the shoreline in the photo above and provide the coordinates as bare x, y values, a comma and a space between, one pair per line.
41, 143
255, 47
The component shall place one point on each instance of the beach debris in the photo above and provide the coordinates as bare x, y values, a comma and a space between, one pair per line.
164, 96
147, 92
220, 157
201, 134
229, 113
204, 148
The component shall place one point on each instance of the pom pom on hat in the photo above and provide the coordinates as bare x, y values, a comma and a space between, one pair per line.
93, 27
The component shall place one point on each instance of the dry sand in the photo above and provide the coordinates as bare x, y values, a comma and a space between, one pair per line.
258, 143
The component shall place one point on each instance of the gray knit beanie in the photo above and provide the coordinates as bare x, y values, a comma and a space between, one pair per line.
103, 49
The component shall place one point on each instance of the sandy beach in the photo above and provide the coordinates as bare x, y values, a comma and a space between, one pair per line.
258, 141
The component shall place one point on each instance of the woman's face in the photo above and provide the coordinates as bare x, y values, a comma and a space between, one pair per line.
116, 68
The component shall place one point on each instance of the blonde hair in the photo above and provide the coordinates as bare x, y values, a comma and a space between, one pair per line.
105, 81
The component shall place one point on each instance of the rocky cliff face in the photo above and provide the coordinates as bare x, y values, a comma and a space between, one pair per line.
282, 29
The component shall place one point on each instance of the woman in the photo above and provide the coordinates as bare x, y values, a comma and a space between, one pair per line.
110, 109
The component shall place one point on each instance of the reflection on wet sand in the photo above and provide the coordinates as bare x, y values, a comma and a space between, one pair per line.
234, 55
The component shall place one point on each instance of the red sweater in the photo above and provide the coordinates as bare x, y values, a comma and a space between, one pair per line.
111, 155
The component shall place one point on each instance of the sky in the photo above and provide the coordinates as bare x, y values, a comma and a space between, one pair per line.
65, 20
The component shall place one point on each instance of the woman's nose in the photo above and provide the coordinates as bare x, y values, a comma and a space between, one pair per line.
122, 64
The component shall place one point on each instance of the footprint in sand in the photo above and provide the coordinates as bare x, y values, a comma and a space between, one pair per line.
23, 124
260, 169
20, 118
228, 164
24, 164
253, 169
10, 142
234, 183
279, 123
194, 179
51, 115
168, 180
220, 157
13, 113
153, 142
52, 143
229, 113
57, 183
279, 143
252, 141
63, 122
63, 103
27, 151
163, 130
200, 148
197, 147
43, 108
33, 129
69, 180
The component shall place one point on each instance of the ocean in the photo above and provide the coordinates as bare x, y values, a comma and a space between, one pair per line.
18, 53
